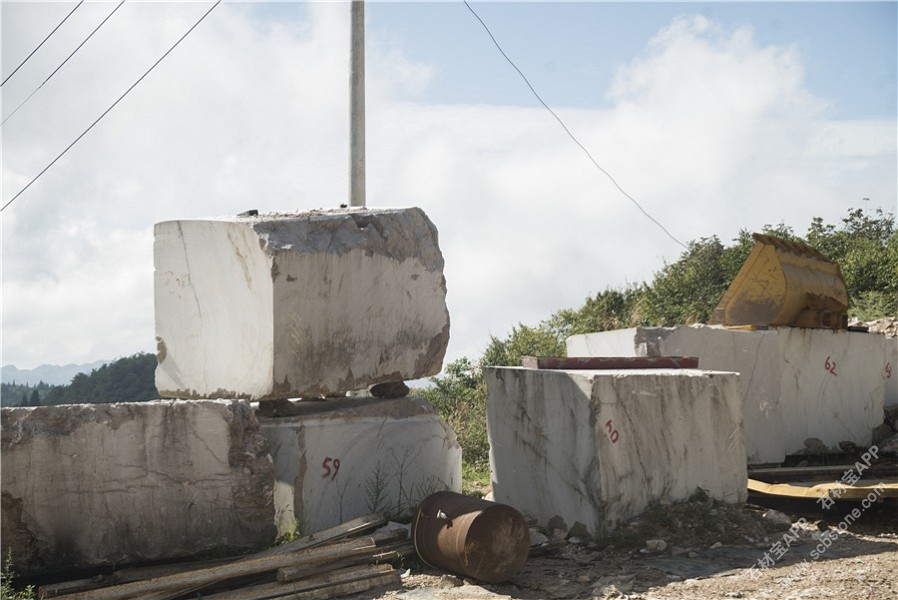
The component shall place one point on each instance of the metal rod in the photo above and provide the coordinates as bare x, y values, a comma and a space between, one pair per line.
357, 105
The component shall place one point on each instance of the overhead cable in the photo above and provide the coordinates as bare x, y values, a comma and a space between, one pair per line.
133, 85
118, 6
568, 131
42, 43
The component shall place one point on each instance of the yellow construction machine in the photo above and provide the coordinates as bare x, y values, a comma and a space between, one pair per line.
784, 283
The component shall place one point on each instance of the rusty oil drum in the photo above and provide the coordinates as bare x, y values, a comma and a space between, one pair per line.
484, 540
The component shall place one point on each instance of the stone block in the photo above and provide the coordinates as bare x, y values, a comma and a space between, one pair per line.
338, 459
796, 383
110, 484
596, 447
298, 305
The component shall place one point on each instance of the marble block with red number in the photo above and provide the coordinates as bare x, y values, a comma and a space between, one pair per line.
596, 447
796, 383
338, 459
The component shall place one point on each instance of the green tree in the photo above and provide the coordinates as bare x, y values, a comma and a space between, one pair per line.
523, 341
459, 396
866, 249
129, 379
611, 309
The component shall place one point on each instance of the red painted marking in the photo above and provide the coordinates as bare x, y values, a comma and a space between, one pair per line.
830, 366
613, 433
331, 467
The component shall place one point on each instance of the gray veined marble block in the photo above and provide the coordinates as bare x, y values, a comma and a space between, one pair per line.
298, 305
596, 447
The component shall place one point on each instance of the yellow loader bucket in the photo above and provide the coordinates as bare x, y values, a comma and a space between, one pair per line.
784, 283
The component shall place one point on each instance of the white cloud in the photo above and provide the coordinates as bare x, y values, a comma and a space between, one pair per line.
709, 131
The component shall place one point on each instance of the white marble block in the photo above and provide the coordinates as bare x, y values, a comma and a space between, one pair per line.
796, 383
92, 485
596, 447
298, 305
342, 458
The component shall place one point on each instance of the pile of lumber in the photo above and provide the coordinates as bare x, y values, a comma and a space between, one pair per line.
331, 563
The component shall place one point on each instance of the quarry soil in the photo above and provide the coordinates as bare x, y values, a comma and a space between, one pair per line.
709, 554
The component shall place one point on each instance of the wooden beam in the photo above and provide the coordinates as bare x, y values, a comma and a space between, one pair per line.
278, 590
345, 589
203, 577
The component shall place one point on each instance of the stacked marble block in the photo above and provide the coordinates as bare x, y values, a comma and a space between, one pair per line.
795, 383
596, 447
314, 305
90, 485
247, 308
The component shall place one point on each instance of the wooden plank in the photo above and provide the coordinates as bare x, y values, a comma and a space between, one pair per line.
609, 362
385, 554
54, 590
277, 589
267, 560
328, 556
203, 577
363, 523
345, 589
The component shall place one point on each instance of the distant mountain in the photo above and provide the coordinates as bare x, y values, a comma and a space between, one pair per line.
52, 374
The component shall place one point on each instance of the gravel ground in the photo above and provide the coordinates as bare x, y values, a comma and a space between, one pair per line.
704, 558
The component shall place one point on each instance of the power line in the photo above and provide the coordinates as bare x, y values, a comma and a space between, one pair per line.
118, 6
42, 43
133, 85
568, 131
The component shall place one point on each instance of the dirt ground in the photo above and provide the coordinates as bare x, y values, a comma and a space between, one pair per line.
710, 551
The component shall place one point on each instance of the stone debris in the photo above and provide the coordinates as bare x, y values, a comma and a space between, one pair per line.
777, 519
889, 445
887, 326
815, 446
881, 432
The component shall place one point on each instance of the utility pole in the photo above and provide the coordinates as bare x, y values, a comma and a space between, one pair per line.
357, 105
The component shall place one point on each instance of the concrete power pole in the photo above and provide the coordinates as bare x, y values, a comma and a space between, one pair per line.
357, 105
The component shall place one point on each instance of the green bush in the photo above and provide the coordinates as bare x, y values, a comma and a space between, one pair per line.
7, 591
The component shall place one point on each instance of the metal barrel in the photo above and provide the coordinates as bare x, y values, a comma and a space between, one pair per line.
484, 540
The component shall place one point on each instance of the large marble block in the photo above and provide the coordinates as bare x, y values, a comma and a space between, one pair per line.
105, 484
796, 383
298, 305
338, 459
596, 447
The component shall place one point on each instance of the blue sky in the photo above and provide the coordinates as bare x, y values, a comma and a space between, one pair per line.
716, 117
570, 51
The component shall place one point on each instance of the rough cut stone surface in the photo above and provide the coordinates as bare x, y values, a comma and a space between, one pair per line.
298, 305
596, 447
342, 458
796, 383
104, 484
